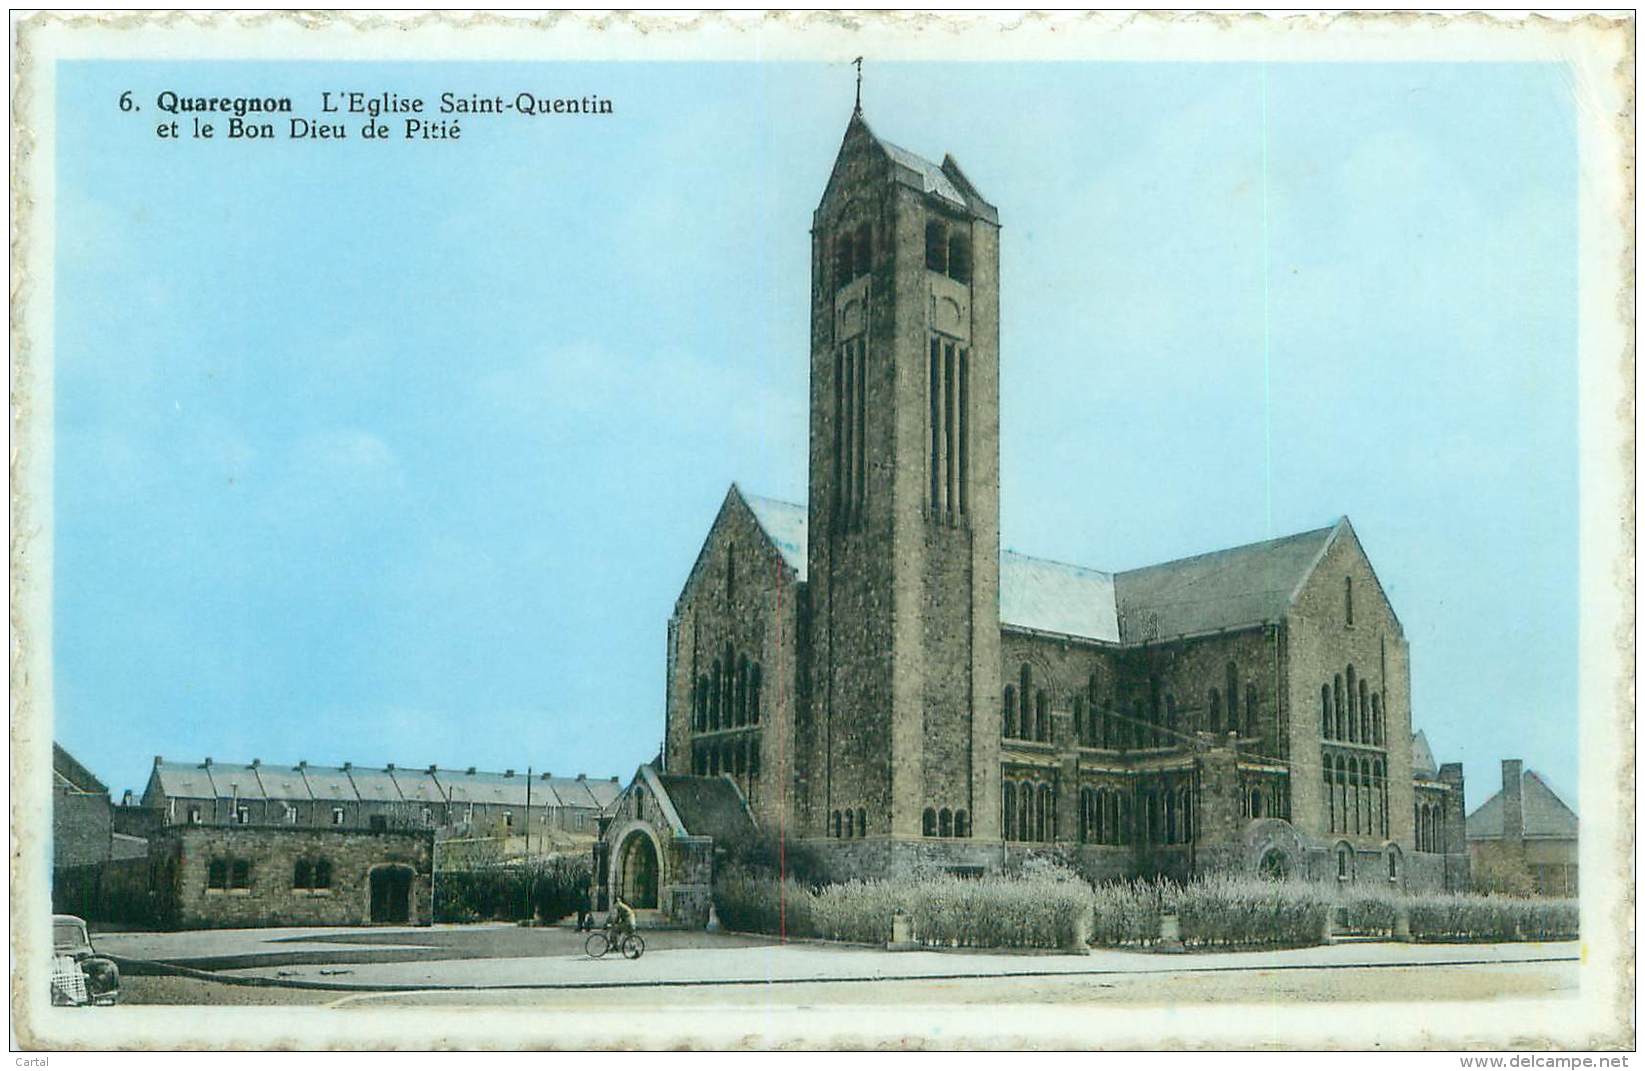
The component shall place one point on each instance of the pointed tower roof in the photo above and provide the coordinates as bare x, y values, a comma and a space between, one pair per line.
944, 182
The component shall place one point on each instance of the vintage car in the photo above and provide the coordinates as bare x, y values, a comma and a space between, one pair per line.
78, 974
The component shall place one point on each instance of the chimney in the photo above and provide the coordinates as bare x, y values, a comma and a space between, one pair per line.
207, 763
580, 777
508, 773
347, 766
431, 768
256, 763
613, 778
1513, 805
389, 767
471, 771
158, 759
302, 764
547, 775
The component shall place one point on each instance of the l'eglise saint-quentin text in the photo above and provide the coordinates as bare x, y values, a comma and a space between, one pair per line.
373, 105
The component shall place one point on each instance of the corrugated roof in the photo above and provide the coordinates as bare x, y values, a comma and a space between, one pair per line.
1222, 589
376, 785
1546, 815
1422, 757
1056, 597
707, 806
784, 523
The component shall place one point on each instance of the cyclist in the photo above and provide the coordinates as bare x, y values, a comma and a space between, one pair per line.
621, 922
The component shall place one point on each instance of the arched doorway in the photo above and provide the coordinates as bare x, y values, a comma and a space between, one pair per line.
1275, 866
637, 870
391, 893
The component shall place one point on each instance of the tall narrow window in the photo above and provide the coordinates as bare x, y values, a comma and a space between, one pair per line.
964, 407
1024, 722
1231, 678
839, 432
1336, 704
1348, 598
959, 258
1353, 708
950, 443
1250, 710
1214, 718
864, 250
928, 823
1330, 797
936, 246
936, 426
1079, 719
1325, 711
1042, 716
945, 823
1008, 716
844, 259
1008, 809
1365, 713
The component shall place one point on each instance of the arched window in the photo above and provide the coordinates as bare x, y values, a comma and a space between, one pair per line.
1048, 796
1365, 713
1231, 679
864, 249
1122, 820
1186, 806
936, 246
1008, 717
1325, 711
741, 704
959, 258
850, 823
322, 873
1026, 683
1256, 803
1330, 794
1213, 721
1155, 718
862, 821
1091, 728
1376, 719
945, 823
962, 823
1042, 716
844, 259
1336, 704
928, 823
1170, 817
1008, 808
1079, 719
1250, 710
1343, 871
1348, 599
1172, 730
302, 876
1353, 709
1025, 812
754, 694
834, 823
714, 698
1139, 725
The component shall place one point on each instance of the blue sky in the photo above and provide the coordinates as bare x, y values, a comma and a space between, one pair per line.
401, 452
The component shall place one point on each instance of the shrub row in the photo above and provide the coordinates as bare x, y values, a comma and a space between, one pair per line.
989, 912
1045, 910
547, 889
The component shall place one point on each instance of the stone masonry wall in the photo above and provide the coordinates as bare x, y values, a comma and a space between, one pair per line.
182, 858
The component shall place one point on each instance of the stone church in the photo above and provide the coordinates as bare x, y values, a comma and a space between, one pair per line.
870, 674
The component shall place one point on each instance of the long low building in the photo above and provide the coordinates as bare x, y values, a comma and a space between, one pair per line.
383, 798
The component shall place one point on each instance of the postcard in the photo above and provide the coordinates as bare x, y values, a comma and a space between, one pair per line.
822, 530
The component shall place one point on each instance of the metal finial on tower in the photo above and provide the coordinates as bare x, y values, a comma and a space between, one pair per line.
858, 63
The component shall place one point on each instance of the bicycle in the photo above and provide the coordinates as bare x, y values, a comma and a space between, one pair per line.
599, 943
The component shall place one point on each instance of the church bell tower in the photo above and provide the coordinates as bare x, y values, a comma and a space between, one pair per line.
903, 556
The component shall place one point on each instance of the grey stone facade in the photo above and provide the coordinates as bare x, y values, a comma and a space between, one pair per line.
206, 877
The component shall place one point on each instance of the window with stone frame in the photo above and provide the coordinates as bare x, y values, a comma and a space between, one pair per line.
239, 874
928, 822
217, 874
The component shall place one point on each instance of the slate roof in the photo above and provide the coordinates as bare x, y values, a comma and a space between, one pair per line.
483, 787
67, 769
784, 523
284, 783
190, 780
418, 786
1546, 815
1221, 590
1422, 757
235, 780
930, 175
1054, 597
330, 783
374, 785
707, 806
